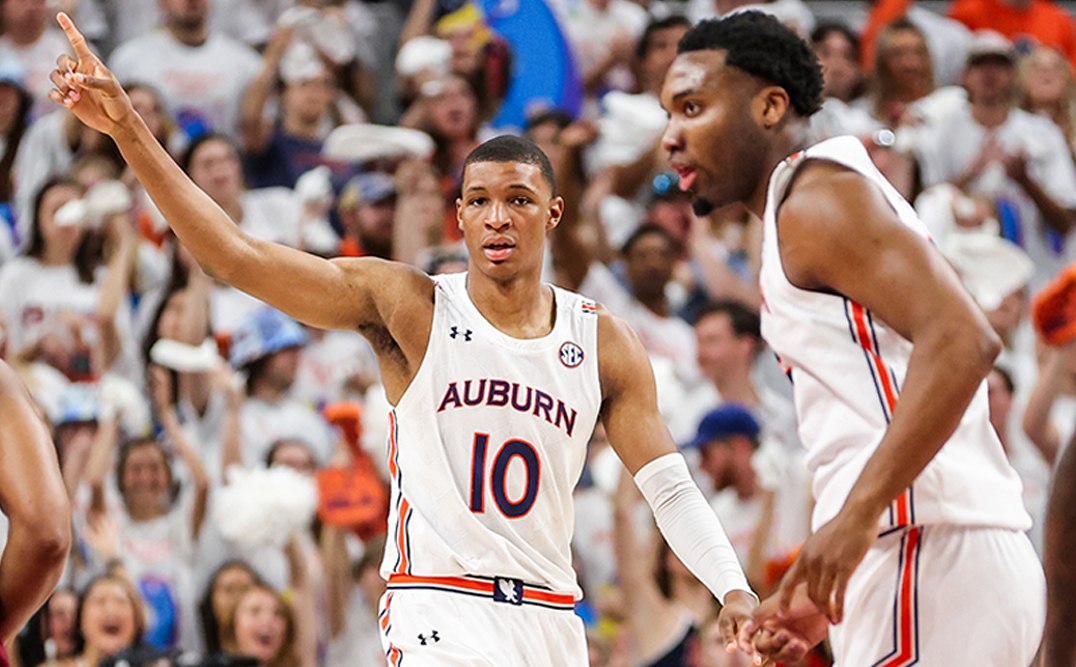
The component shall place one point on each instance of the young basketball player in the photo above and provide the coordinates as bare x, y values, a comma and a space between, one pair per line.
918, 554
497, 381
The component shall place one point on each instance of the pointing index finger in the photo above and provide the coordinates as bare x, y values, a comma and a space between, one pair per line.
78, 42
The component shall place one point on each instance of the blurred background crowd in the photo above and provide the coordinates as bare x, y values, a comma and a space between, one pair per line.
226, 464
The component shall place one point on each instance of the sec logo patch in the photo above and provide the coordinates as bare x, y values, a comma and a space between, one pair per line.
571, 355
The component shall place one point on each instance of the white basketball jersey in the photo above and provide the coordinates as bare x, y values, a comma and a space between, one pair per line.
488, 442
847, 368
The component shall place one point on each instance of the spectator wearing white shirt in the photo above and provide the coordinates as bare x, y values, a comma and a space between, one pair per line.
201, 74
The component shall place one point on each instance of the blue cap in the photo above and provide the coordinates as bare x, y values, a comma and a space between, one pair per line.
724, 422
261, 333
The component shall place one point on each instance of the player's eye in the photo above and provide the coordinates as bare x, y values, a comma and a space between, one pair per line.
521, 201
692, 109
477, 201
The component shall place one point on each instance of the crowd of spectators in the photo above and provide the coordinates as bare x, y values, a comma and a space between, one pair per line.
340, 127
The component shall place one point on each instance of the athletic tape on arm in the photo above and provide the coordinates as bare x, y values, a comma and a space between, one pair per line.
690, 526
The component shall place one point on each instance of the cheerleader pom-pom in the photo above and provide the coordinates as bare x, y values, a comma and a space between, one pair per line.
264, 507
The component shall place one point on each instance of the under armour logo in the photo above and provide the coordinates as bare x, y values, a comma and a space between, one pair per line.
466, 334
508, 590
431, 638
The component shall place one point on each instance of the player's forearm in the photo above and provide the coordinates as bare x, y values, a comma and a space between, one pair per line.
203, 227
1059, 218
946, 368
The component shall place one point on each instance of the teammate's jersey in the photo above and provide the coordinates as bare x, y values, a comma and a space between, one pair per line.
488, 442
847, 368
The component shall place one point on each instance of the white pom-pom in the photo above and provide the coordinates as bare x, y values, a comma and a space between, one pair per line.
264, 507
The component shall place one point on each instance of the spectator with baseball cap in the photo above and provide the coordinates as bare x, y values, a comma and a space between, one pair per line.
266, 347
747, 482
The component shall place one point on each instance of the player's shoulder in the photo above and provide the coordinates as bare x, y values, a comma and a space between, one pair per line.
618, 344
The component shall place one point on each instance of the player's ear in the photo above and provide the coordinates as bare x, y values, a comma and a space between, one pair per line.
459, 214
556, 212
770, 106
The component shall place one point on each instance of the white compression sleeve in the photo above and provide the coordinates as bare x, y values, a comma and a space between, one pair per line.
689, 525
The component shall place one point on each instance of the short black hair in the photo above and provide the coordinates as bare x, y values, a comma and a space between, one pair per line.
823, 30
648, 229
656, 25
509, 148
765, 48
744, 321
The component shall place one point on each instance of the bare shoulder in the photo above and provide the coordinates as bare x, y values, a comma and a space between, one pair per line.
834, 220
390, 287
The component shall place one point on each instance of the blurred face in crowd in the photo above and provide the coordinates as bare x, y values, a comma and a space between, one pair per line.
260, 624
10, 101
175, 314
25, 15
672, 214
840, 67
109, 618
148, 105
215, 168
650, 262
504, 214
660, 54
61, 629
60, 240
466, 49
376, 221
281, 368
309, 100
1046, 77
146, 480
296, 455
989, 80
228, 586
1000, 402
720, 350
453, 108
185, 14
906, 60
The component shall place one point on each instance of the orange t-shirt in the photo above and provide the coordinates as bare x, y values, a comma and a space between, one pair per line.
1041, 22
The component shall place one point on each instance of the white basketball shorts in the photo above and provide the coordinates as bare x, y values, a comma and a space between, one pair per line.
472, 622
942, 596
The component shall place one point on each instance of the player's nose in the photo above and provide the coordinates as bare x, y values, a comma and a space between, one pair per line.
497, 215
672, 139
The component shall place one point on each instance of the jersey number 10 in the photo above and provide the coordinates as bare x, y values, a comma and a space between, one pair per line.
499, 476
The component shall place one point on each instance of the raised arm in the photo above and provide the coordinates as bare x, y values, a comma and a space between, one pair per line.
330, 294
33, 497
896, 274
639, 435
166, 412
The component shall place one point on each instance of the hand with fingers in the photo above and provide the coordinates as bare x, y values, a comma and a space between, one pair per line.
826, 562
784, 633
735, 614
85, 86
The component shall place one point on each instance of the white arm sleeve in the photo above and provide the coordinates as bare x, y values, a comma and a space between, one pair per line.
689, 525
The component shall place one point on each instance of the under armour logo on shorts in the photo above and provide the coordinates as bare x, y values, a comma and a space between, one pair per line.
431, 638
507, 590
454, 332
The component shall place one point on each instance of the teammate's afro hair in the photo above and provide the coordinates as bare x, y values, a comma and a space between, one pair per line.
508, 148
765, 48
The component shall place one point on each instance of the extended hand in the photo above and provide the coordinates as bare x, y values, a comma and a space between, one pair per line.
785, 634
827, 560
735, 614
85, 86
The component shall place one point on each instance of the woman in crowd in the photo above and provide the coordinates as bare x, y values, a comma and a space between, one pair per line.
262, 625
109, 619
224, 589
1046, 87
61, 303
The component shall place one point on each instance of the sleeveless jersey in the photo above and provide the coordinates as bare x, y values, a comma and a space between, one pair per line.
847, 368
488, 442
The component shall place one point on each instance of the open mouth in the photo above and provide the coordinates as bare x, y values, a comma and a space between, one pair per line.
687, 175
498, 251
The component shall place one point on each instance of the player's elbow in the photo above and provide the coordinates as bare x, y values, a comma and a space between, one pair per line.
989, 346
48, 539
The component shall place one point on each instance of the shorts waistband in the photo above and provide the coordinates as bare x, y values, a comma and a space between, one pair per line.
498, 589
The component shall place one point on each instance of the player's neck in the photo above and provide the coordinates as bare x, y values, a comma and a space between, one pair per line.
520, 308
786, 143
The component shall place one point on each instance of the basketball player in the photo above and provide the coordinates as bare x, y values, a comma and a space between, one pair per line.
33, 498
497, 381
918, 553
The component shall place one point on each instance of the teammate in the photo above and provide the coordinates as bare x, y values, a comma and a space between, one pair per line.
34, 500
496, 380
918, 554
